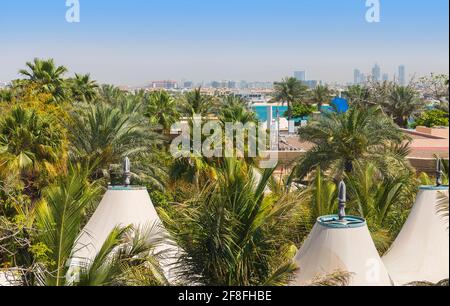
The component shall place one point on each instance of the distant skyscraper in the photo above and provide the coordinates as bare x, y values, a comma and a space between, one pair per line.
363, 78
376, 73
166, 84
385, 77
357, 76
311, 83
402, 75
300, 75
188, 84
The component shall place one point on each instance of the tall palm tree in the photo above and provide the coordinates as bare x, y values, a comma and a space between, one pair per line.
84, 89
110, 94
162, 110
235, 109
233, 234
320, 95
48, 76
402, 103
357, 95
102, 135
340, 139
31, 145
196, 103
289, 91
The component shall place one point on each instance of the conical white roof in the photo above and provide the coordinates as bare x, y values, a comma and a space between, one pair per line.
121, 206
421, 251
335, 246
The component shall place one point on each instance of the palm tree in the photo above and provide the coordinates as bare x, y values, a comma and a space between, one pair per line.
235, 109
32, 146
320, 95
110, 94
84, 89
289, 91
401, 104
323, 195
357, 95
195, 103
340, 139
162, 110
375, 197
233, 234
102, 135
60, 217
48, 76
127, 258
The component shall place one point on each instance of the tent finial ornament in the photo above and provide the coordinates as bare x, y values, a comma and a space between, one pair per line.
342, 200
439, 173
127, 171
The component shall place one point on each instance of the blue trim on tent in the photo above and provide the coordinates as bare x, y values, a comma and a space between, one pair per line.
126, 188
332, 221
434, 188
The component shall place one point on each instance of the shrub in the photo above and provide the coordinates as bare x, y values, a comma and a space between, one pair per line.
432, 118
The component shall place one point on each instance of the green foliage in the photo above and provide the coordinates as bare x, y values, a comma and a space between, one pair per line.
432, 118
125, 256
341, 139
59, 219
320, 95
83, 88
357, 95
162, 110
102, 135
196, 103
376, 198
289, 91
31, 146
402, 103
236, 110
48, 76
324, 195
232, 233
300, 110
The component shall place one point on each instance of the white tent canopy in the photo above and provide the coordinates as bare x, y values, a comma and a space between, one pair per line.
421, 251
335, 246
122, 206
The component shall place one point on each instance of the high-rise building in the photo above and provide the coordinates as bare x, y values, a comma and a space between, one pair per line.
300, 75
188, 84
402, 75
357, 76
376, 73
166, 84
385, 77
311, 83
363, 78
231, 84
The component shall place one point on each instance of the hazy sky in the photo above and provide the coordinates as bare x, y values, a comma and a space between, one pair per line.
135, 41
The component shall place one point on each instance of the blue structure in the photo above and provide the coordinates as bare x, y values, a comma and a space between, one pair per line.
340, 105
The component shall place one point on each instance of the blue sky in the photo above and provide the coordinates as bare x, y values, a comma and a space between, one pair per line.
134, 41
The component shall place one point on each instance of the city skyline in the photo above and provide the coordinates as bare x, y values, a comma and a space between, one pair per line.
134, 42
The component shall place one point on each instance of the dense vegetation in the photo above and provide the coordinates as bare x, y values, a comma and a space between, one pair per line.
62, 141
